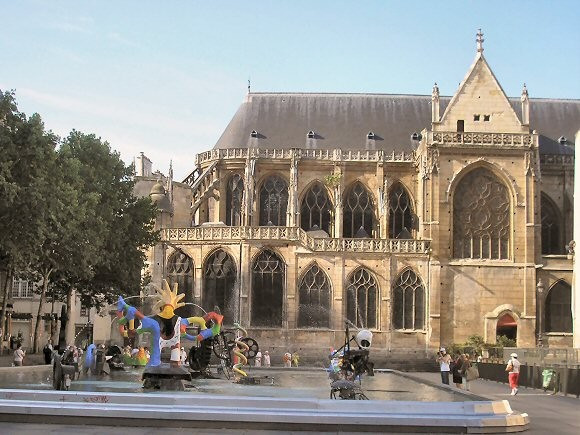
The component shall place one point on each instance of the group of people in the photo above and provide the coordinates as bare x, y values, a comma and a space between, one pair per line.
460, 367
262, 360
463, 372
291, 359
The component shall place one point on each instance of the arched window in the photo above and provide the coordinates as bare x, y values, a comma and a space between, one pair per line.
219, 276
551, 241
481, 217
268, 278
361, 299
358, 212
234, 195
273, 201
315, 209
559, 308
314, 299
408, 302
180, 271
400, 213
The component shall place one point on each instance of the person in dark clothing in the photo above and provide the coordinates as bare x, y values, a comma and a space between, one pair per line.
47, 351
456, 370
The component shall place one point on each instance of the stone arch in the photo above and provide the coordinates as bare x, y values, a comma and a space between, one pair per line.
409, 301
273, 195
492, 318
402, 218
359, 211
316, 207
268, 288
219, 284
482, 216
362, 298
558, 307
314, 298
552, 226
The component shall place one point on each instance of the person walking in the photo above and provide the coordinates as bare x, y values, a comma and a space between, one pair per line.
287, 359
182, 355
465, 366
444, 359
47, 351
456, 367
266, 359
258, 359
513, 369
19, 354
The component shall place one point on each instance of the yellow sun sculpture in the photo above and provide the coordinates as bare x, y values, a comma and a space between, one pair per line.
168, 300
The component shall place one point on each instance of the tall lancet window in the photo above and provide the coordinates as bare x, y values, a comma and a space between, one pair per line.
219, 284
314, 299
273, 201
234, 195
315, 210
362, 293
408, 301
481, 217
358, 212
268, 278
180, 271
551, 240
400, 213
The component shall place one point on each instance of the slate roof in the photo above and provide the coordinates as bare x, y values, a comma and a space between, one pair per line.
283, 120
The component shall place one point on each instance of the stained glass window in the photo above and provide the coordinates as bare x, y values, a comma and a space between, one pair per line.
551, 241
358, 212
180, 271
315, 210
362, 294
314, 299
400, 213
234, 195
219, 289
481, 217
268, 278
559, 308
273, 201
408, 302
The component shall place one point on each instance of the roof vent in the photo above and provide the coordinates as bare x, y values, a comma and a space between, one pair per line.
254, 133
311, 135
562, 140
371, 135
416, 136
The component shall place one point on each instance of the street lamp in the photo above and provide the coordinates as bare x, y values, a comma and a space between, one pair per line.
540, 312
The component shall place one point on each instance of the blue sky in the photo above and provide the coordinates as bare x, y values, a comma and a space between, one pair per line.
165, 78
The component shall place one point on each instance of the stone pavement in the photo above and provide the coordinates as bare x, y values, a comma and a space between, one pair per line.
548, 414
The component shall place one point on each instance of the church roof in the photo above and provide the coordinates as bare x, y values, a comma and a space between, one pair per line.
328, 121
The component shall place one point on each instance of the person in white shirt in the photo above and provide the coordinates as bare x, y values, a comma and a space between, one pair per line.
258, 359
513, 367
183, 355
266, 359
19, 355
444, 360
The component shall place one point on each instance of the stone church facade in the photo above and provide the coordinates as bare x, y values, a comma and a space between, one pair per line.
423, 218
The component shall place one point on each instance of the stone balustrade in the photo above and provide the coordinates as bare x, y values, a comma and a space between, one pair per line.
331, 155
507, 140
294, 234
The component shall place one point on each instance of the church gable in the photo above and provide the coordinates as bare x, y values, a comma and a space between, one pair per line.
480, 104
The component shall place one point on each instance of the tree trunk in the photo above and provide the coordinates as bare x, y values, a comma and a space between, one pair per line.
3, 313
45, 278
53, 322
70, 331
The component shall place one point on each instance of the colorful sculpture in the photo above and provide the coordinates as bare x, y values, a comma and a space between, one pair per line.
166, 327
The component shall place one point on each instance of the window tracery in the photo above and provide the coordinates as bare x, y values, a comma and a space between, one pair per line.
559, 308
273, 201
234, 199
268, 282
481, 217
314, 299
358, 212
551, 241
180, 271
315, 209
362, 294
219, 284
400, 213
408, 302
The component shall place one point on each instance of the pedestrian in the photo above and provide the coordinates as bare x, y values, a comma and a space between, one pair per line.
513, 368
465, 366
266, 359
295, 359
183, 355
444, 360
19, 355
287, 358
47, 351
456, 367
258, 359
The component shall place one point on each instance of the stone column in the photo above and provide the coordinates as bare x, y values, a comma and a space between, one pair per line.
384, 205
540, 297
338, 189
249, 186
576, 280
292, 210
